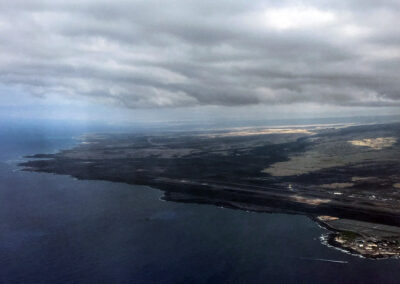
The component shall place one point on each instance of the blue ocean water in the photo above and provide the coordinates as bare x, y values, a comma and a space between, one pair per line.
56, 229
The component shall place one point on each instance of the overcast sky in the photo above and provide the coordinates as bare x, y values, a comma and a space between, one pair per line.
159, 56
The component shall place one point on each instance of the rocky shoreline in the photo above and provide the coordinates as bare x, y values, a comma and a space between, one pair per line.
351, 173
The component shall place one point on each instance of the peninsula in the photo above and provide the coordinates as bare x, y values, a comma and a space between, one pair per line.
337, 172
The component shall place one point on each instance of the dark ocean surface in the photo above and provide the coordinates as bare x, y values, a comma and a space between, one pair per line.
56, 229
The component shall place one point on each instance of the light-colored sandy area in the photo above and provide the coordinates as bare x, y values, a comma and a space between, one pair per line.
337, 185
396, 185
308, 162
355, 179
375, 143
309, 201
263, 132
333, 153
327, 218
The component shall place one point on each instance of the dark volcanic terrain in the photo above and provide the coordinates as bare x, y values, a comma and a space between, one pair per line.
345, 177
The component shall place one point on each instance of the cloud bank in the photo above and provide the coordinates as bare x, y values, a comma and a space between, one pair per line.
151, 53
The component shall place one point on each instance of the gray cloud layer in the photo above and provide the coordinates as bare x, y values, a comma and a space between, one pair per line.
204, 52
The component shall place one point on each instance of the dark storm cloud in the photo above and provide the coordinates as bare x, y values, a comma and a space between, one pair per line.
184, 53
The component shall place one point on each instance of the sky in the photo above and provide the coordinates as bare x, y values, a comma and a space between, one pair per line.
121, 61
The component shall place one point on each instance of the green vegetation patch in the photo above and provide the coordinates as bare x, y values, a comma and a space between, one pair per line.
349, 235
